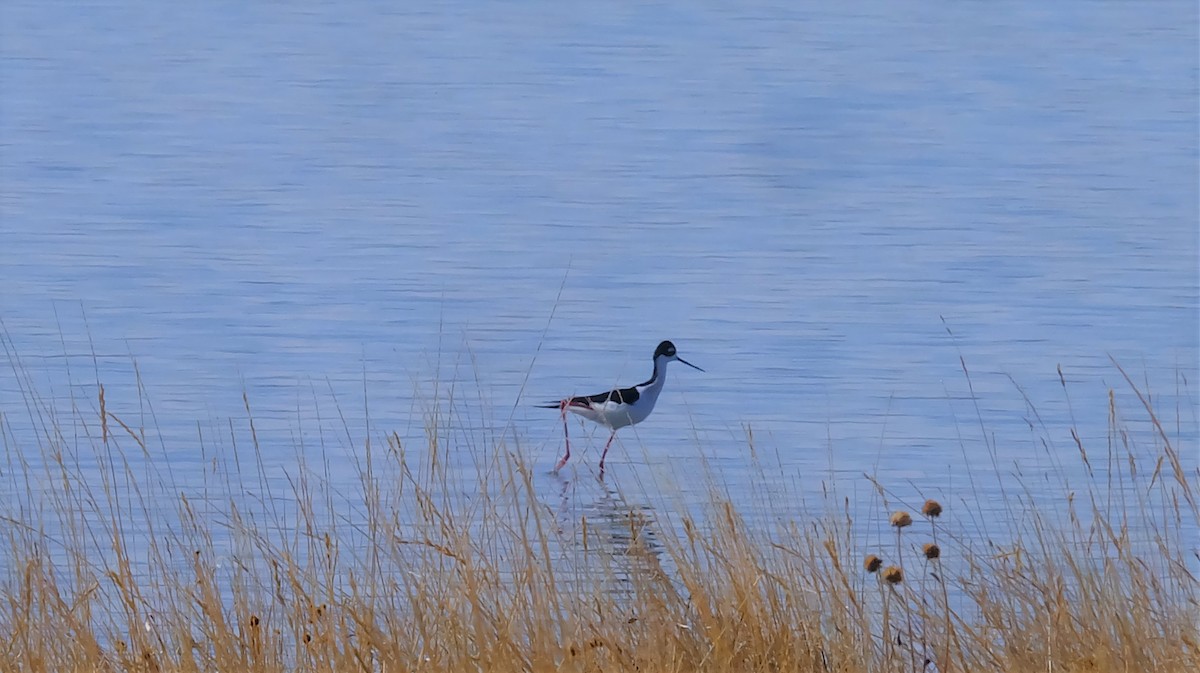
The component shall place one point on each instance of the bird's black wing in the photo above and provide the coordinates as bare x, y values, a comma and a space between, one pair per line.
620, 396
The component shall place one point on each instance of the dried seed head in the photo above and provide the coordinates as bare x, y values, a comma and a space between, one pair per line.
931, 550
900, 519
932, 509
872, 563
893, 575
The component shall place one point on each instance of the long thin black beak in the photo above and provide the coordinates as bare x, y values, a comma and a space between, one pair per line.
687, 363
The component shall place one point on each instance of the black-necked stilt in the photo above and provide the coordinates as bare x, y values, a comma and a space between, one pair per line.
619, 408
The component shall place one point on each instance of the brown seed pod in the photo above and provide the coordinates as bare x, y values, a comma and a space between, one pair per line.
900, 519
931, 551
893, 575
872, 563
932, 509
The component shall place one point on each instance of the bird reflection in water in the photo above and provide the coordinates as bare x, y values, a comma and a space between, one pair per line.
605, 525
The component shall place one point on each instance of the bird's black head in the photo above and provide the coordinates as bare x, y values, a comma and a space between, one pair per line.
665, 348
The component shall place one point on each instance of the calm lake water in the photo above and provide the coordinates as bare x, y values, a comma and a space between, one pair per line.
479, 207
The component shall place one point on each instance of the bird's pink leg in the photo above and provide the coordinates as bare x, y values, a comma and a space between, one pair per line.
605, 453
562, 409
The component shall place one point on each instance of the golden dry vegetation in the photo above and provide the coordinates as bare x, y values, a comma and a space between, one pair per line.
111, 567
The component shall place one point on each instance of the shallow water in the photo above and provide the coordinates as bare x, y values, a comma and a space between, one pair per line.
363, 216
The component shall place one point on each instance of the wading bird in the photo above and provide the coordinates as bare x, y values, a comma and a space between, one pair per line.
618, 408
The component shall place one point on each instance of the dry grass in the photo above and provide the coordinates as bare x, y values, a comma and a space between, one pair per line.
111, 566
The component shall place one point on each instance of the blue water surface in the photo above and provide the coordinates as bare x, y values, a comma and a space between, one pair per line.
364, 214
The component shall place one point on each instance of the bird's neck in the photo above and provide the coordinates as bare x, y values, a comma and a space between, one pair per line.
657, 379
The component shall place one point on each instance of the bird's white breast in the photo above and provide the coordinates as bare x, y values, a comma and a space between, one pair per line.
616, 415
